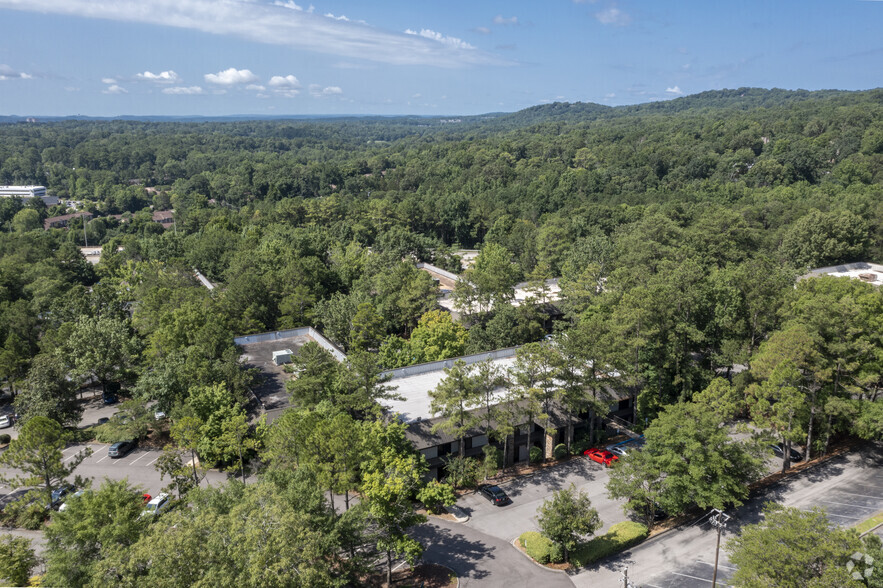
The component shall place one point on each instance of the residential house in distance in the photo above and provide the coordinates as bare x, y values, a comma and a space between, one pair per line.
164, 217
61, 222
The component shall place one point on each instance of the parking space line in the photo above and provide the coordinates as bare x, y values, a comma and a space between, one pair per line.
859, 495
830, 514
694, 578
720, 565
102, 459
151, 463
146, 453
850, 505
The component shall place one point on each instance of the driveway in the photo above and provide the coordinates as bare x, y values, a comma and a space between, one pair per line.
849, 487
529, 492
483, 560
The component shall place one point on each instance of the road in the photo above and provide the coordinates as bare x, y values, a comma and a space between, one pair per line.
849, 487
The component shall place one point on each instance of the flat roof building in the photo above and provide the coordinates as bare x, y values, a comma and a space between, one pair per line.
22, 191
871, 273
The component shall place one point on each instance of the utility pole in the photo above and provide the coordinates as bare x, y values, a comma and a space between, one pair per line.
626, 583
719, 521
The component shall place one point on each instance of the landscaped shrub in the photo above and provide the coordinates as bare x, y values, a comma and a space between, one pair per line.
493, 460
27, 512
560, 451
4, 438
620, 537
536, 454
463, 472
580, 445
541, 549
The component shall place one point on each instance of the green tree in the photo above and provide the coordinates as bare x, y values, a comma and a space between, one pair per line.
17, 559
702, 464
48, 392
37, 454
90, 529
567, 518
316, 373
367, 328
26, 219
436, 495
792, 548
638, 480
102, 348
186, 432
825, 238
453, 399
170, 464
392, 479
437, 337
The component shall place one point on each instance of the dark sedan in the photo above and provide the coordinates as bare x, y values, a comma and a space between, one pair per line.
495, 494
780, 452
121, 449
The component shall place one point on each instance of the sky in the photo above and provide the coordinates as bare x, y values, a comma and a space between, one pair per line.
427, 57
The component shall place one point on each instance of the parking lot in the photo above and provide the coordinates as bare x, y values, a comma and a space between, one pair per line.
529, 492
849, 488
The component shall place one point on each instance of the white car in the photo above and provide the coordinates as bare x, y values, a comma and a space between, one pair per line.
74, 495
5, 421
157, 505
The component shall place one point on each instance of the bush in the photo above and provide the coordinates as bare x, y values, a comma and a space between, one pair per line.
27, 512
536, 454
560, 451
5, 438
580, 445
620, 537
463, 472
541, 549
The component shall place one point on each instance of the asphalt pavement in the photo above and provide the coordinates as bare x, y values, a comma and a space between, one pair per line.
849, 487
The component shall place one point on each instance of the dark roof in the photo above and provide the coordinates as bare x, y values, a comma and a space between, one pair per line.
53, 220
163, 215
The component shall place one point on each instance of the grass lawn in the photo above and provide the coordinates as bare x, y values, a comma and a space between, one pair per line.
868, 524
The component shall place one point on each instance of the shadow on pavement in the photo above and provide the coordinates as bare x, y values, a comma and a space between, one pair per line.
554, 477
454, 550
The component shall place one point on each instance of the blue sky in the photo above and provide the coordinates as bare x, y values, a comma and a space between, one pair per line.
216, 57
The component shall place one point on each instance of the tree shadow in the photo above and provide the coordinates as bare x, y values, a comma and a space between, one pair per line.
554, 477
454, 550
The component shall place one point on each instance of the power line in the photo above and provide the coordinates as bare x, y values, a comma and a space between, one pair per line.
719, 521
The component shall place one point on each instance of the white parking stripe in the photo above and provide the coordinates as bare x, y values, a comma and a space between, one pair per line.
142, 457
694, 578
151, 463
720, 565
845, 504
859, 495
102, 459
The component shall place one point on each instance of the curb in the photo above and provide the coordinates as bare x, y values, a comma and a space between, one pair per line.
459, 515
535, 562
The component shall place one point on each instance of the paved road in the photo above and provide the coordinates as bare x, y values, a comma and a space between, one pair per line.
529, 492
850, 487
483, 560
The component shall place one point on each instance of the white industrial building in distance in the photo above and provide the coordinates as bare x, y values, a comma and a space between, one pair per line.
22, 191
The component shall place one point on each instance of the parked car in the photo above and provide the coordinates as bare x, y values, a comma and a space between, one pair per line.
146, 497
103, 420
495, 494
780, 452
58, 496
157, 505
6, 421
619, 450
159, 415
76, 494
110, 399
601, 456
121, 448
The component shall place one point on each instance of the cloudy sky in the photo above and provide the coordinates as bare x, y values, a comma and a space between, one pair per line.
215, 57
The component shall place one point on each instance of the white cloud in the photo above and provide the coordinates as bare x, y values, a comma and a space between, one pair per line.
108, 81
450, 41
275, 24
673, 90
183, 90
231, 77
482, 30
610, 95
163, 77
341, 17
613, 16
7, 73
317, 91
255, 87
288, 81
115, 89
502, 20
418, 95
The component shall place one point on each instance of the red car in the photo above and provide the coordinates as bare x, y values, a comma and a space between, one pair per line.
602, 456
